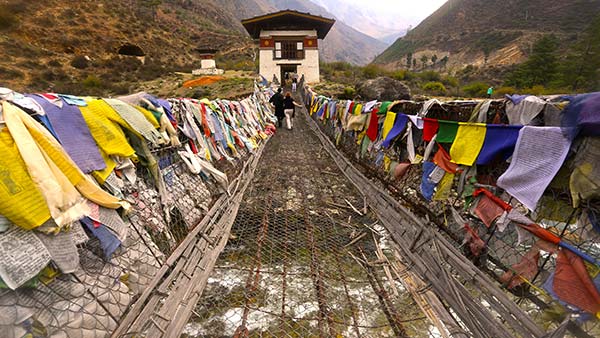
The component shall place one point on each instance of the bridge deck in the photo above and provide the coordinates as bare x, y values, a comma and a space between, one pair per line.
300, 261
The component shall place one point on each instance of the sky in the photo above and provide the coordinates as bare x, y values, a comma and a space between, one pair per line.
416, 9
381, 17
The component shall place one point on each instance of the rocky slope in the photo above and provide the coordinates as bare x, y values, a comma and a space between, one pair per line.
494, 33
73, 46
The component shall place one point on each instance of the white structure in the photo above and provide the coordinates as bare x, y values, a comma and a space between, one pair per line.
289, 43
208, 66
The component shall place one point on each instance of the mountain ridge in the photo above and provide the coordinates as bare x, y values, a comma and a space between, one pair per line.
491, 33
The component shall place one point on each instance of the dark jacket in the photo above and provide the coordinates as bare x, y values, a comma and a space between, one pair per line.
277, 101
288, 103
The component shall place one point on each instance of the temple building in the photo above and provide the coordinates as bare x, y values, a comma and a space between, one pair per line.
289, 43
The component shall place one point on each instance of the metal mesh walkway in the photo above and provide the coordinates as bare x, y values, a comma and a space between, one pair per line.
304, 259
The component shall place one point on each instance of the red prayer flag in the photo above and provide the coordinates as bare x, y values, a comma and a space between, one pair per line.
487, 210
526, 268
430, 128
572, 283
373, 125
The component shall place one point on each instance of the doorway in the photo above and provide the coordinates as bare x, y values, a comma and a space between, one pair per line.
286, 74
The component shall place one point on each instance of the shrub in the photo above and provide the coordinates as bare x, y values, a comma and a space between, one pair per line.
348, 94
403, 75
372, 71
475, 89
535, 90
430, 75
92, 81
500, 92
80, 62
435, 87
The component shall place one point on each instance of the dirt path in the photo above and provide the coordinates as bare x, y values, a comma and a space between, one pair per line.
296, 263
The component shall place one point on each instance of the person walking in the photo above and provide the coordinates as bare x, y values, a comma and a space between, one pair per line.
294, 83
277, 101
490, 91
290, 112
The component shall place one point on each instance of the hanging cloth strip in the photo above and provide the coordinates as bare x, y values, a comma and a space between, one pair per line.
144, 124
499, 144
427, 187
54, 174
443, 160
538, 155
388, 124
384, 107
399, 125
73, 133
447, 131
581, 116
572, 283
105, 126
584, 182
373, 125
525, 111
468, 142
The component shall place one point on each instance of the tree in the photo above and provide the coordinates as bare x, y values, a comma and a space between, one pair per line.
444, 61
541, 68
424, 59
408, 60
434, 59
581, 68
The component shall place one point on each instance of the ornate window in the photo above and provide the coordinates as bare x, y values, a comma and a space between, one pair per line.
289, 49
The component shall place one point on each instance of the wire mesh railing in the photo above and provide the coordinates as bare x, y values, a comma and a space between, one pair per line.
499, 250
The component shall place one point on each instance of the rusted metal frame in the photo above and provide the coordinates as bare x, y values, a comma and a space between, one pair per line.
340, 271
562, 233
386, 303
285, 264
317, 277
254, 275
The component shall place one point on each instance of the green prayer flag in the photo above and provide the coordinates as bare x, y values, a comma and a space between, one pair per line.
384, 107
447, 131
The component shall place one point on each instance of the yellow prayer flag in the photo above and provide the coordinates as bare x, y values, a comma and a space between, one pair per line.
444, 188
468, 142
388, 123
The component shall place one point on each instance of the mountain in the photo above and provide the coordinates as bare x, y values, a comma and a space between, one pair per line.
380, 25
493, 33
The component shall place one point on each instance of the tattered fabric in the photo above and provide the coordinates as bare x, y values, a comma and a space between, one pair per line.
572, 283
584, 182
538, 155
373, 128
499, 144
56, 176
468, 142
427, 187
73, 133
582, 116
399, 126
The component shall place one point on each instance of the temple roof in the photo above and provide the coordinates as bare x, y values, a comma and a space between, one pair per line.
288, 20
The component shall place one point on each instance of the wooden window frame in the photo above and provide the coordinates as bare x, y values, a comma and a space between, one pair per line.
287, 49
